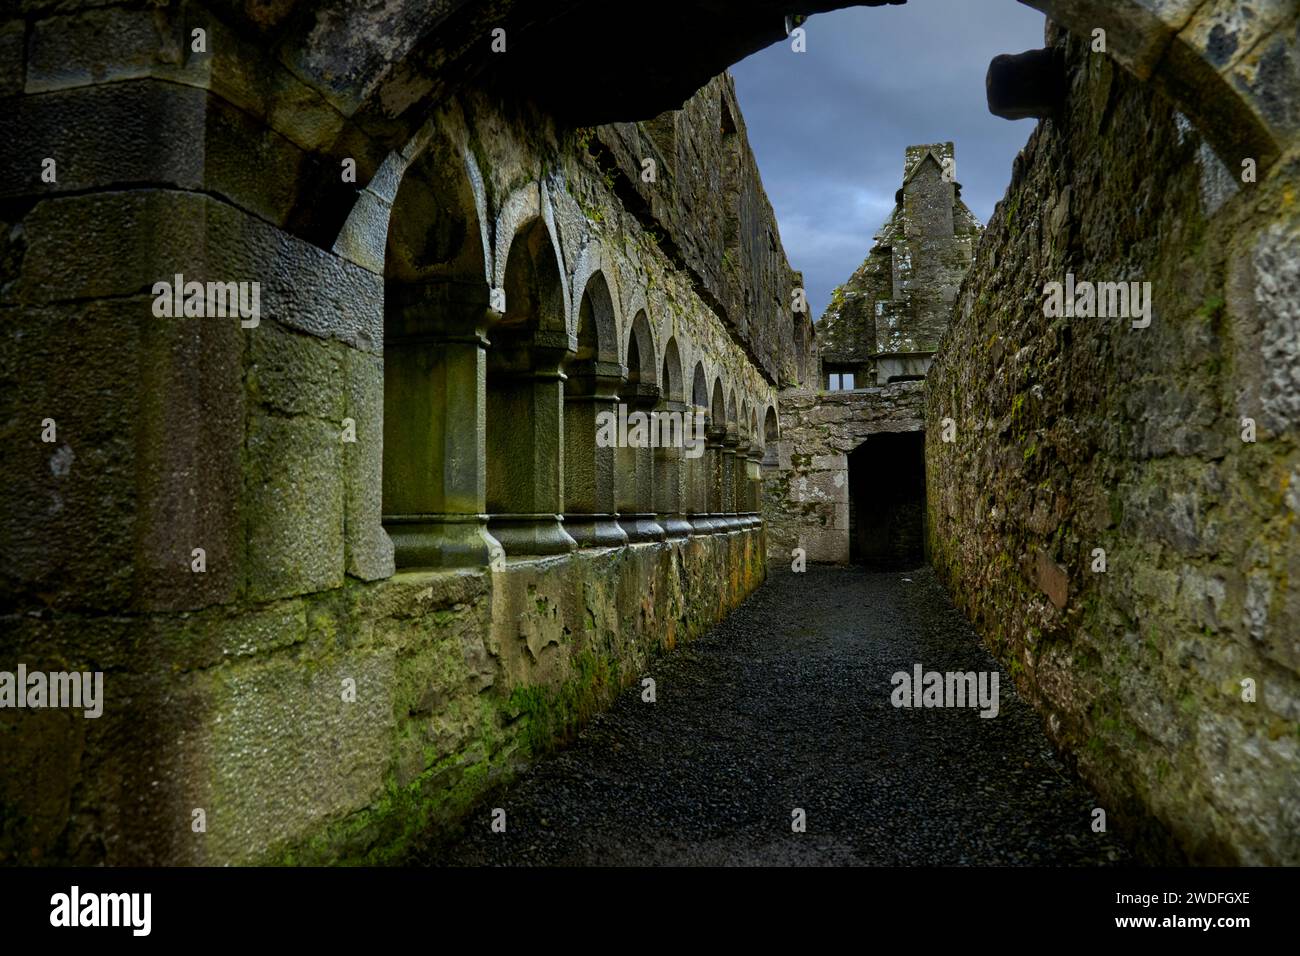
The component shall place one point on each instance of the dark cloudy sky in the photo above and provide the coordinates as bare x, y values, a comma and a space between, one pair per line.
829, 126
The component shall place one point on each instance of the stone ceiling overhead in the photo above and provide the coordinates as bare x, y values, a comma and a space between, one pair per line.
1229, 64
577, 57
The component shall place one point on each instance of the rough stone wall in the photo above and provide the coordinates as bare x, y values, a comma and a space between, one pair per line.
806, 492
223, 688
1076, 434
708, 196
898, 300
937, 242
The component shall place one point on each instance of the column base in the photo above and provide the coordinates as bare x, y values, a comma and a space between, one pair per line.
641, 527
441, 541
531, 534
702, 524
595, 531
676, 527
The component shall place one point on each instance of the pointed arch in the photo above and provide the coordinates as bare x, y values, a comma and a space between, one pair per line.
599, 318
597, 325
436, 296
671, 379
642, 367
699, 386
528, 264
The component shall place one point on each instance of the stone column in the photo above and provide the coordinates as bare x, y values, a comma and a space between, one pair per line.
730, 441
671, 466
590, 470
754, 485
740, 482
714, 475
699, 471
525, 488
434, 472
636, 509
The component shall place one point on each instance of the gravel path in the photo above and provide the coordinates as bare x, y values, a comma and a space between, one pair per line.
787, 704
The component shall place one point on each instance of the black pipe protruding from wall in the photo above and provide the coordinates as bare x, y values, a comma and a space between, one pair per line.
1025, 85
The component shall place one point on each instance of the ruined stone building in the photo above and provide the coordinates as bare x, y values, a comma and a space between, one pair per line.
847, 482
312, 311
885, 322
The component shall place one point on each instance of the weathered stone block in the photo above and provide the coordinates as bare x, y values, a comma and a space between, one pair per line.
369, 549
303, 287
188, 456
99, 46
329, 757
830, 463
294, 507
296, 374
111, 46
68, 500
1053, 580
123, 133
820, 486
119, 243
1225, 32
825, 545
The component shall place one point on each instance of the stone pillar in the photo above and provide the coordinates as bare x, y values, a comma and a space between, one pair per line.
435, 458
525, 441
730, 520
591, 471
671, 467
636, 508
699, 471
714, 475
754, 485
740, 482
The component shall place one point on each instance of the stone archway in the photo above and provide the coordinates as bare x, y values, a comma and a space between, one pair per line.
640, 394
435, 324
590, 395
524, 430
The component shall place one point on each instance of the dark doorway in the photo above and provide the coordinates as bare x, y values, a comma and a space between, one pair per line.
887, 501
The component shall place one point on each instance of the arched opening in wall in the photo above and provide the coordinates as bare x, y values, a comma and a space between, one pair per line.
733, 460
717, 437
435, 312
887, 501
636, 463
698, 468
525, 400
749, 459
677, 433
590, 404
700, 389
672, 387
771, 454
